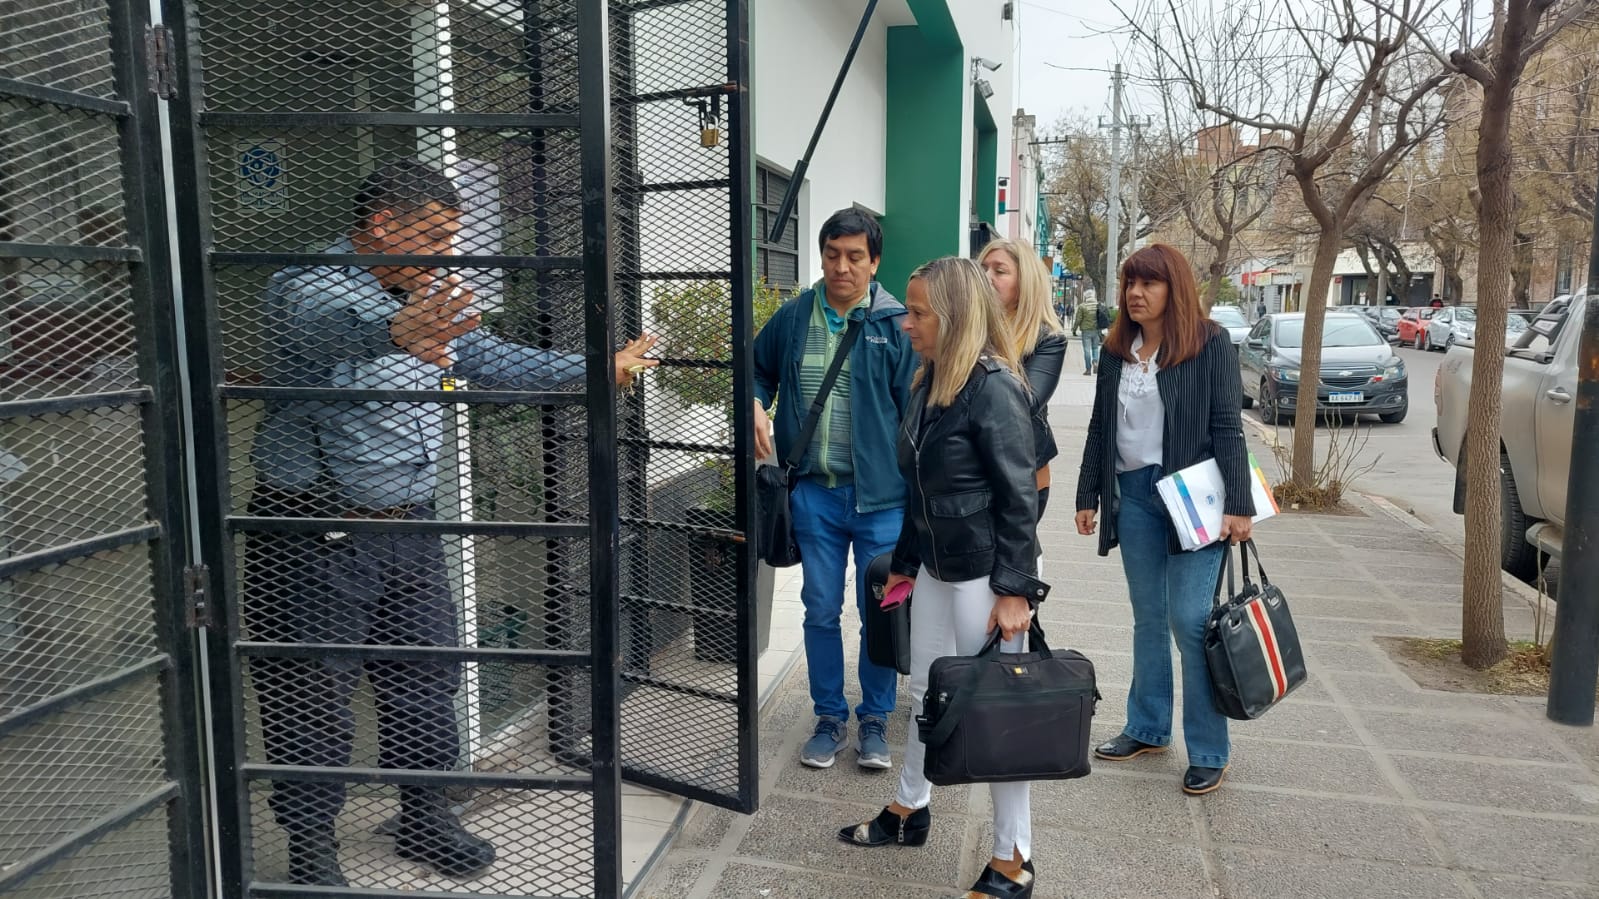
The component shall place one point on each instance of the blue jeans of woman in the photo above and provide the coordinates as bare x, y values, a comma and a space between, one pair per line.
1171, 596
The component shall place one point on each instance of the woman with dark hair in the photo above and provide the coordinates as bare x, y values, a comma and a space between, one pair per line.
1168, 396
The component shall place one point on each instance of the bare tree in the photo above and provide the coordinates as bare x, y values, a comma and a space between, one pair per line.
1076, 191
1338, 90
1521, 30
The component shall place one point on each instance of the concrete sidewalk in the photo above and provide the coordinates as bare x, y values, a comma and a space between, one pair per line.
1360, 785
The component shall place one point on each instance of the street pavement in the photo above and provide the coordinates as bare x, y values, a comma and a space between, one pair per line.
1360, 784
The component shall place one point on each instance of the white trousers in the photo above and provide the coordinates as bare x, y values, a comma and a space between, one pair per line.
952, 619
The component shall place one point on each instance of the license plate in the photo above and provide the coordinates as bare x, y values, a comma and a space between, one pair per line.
1354, 397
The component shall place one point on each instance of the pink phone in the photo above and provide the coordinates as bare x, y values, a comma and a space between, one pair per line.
898, 594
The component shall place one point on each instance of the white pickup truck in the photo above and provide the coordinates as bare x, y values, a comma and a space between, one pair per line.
1540, 383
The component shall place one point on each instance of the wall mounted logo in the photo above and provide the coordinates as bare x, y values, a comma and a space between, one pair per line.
263, 181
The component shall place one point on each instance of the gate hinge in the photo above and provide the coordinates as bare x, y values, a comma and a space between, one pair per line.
161, 61
196, 599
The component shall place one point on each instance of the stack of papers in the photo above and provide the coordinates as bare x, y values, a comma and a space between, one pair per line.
1195, 498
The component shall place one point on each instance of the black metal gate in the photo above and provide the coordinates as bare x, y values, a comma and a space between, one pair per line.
98, 767
485, 593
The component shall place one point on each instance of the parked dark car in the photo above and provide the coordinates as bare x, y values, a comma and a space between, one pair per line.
1360, 372
1384, 318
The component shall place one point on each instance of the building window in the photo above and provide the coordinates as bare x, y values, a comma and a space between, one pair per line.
1563, 268
778, 263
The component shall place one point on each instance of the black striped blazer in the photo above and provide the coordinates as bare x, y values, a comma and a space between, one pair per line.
1204, 419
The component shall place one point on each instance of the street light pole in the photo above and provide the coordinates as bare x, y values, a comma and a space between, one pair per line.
1575, 665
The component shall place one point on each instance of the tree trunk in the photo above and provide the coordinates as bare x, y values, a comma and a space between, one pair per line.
1218, 268
1315, 308
1482, 587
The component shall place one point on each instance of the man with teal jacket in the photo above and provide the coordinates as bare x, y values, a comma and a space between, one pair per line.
849, 491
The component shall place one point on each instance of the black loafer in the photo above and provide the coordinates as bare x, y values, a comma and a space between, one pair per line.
993, 883
889, 829
1123, 748
1198, 781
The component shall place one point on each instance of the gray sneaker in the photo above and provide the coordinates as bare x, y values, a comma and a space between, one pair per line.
824, 744
874, 744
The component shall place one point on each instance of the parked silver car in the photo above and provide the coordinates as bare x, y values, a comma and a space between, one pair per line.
1231, 318
1448, 326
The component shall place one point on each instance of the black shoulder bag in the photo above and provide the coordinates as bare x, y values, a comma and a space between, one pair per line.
1007, 716
774, 526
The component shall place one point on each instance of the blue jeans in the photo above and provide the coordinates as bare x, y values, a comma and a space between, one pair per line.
825, 525
1171, 596
1091, 340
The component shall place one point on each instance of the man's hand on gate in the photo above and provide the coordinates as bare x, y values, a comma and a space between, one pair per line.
630, 359
432, 318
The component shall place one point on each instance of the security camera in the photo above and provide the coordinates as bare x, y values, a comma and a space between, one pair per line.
988, 64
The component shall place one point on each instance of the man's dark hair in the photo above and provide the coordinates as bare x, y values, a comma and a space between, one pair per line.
405, 185
846, 222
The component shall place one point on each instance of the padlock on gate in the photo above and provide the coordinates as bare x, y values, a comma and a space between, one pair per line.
710, 132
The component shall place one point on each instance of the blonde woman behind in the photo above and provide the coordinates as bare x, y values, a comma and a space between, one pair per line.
1037, 337
966, 452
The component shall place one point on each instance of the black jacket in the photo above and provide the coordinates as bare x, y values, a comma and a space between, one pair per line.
1203, 399
973, 503
1043, 374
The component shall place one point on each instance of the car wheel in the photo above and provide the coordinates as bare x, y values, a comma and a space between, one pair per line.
1426, 341
1416, 341
1249, 401
1393, 418
1269, 413
1516, 555
1449, 343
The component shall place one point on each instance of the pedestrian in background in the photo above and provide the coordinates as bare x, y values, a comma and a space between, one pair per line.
1090, 322
1168, 396
1037, 338
966, 450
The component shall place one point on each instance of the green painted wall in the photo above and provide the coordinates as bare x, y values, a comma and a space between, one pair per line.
987, 176
923, 213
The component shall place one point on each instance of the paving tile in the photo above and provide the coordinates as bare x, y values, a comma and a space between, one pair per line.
1496, 737
1321, 656
847, 781
1105, 803
706, 827
1323, 769
1318, 825
1495, 887
1294, 720
1083, 864
1399, 691
805, 833
745, 881
1530, 788
1529, 847
1310, 605
673, 881
1252, 874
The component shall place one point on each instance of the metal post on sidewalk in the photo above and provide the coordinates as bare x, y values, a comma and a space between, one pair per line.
1575, 665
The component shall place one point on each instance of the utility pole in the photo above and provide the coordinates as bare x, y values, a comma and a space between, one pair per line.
1575, 664
1113, 222
1136, 130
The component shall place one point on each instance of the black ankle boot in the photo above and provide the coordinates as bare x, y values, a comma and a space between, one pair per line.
314, 859
430, 833
889, 829
993, 883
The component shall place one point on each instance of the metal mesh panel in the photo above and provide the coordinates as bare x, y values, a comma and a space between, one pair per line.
411, 597
87, 699
686, 591
129, 863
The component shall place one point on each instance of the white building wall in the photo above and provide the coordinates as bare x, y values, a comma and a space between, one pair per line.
984, 33
797, 50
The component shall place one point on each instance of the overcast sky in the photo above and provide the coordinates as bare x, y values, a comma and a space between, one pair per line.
1066, 50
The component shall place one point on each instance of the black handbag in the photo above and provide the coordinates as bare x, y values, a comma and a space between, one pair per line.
1008, 716
1251, 645
774, 525
888, 632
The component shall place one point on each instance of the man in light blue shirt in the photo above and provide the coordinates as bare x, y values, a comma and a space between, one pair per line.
399, 327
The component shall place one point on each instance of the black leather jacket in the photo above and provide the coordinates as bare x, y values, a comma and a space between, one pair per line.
972, 510
1042, 368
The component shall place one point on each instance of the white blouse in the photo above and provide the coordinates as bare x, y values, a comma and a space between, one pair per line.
1141, 428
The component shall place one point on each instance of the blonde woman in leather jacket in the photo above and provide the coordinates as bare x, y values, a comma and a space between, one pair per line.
966, 450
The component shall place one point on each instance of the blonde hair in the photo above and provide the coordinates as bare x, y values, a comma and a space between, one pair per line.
1035, 313
970, 326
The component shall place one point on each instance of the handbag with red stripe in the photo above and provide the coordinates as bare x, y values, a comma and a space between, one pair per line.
1251, 645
